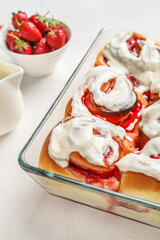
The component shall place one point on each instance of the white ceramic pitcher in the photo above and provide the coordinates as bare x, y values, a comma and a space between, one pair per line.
11, 100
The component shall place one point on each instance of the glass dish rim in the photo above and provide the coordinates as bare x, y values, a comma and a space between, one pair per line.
37, 171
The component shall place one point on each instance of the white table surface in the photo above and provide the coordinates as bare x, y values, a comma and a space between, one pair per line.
26, 210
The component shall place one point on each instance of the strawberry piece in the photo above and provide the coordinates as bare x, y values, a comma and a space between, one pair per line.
18, 18
20, 46
41, 47
156, 156
132, 43
56, 39
29, 32
111, 183
1, 27
39, 22
133, 46
10, 37
147, 95
134, 80
76, 160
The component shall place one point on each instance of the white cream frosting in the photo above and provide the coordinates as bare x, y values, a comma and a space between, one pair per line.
150, 123
146, 67
121, 97
143, 163
77, 135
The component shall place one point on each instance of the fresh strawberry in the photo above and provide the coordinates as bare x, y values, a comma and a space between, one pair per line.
1, 27
20, 46
41, 47
66, 32
10, 37
56, 39
39, 22
29, 32
18, 18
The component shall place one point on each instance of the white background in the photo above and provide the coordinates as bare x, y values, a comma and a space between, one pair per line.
26, 210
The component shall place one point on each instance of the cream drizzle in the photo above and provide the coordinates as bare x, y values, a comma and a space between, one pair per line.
77, 135
143, 163
146, 67
121, 97
150, 123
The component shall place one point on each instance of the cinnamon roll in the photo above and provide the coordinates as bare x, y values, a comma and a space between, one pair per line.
139, 58
84, 148
108, 94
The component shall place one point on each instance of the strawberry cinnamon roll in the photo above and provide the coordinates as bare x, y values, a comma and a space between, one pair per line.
150, 124
108, 94
131, 43
84, 148
139, 58
141, 172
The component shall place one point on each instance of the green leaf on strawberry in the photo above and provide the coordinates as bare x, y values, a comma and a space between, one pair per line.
52, 31
20, 44
51, 21
41, 18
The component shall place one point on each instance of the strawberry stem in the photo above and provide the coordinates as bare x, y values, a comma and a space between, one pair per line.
52, 15
20, 25
47, 13
17, 22
52, 31
13, 36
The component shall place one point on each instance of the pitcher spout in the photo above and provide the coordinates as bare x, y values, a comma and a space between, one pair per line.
15, 79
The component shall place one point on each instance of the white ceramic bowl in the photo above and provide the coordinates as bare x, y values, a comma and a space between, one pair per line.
34, 65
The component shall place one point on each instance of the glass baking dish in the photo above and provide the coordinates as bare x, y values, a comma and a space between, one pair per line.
127, 206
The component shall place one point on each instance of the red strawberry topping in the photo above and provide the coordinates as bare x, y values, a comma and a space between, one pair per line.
29, 32
41, 47
56, 38
18, 18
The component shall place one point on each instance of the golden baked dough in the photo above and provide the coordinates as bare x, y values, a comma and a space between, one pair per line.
141, 186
